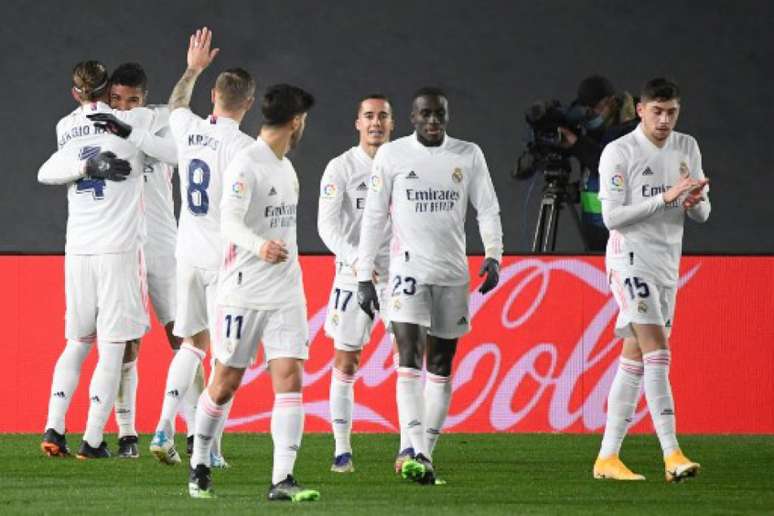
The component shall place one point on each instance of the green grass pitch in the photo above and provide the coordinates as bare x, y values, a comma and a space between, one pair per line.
486, 474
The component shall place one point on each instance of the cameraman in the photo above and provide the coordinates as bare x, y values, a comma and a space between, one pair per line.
610, 116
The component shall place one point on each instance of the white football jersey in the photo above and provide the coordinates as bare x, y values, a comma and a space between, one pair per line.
343, 191
261, 190
633, 171
103, 216
205, 148
426, 192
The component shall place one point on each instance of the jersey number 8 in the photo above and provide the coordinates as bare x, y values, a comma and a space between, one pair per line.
198, 181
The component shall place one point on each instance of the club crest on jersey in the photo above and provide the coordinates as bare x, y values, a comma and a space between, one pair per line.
396, 304
684, 170
335, 319
642, 307
376, 183
617, 182
457, 175
329, 191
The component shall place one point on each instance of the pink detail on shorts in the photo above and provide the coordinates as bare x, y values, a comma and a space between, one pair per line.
143, 279
619, 290
343, 377
230, 256
615, 240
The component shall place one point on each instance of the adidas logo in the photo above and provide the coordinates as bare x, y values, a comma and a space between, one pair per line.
59, 394
273, 191
123, 411
412, 175
667, 412
433, 431
647, 172
463, 320
340, 421
414, 423
205, 438
96, 399
174, 393
293, 447
362, 187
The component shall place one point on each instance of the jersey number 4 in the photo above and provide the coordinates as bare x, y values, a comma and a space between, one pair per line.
198, 181
87, 184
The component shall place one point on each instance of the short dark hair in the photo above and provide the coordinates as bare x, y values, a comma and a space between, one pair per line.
660, 89
281, 102
235, 86
373, 96
130, 74
429, 91
90, 80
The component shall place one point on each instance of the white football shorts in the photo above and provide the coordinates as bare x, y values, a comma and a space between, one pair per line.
443, 310
641, 301
106, 295
162, 286
284, 333
345, 322
196, 295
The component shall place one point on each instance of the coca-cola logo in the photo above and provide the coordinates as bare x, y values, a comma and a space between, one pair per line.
541, 356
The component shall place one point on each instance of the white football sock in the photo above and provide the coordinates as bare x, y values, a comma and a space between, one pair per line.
126, 400
180, 377
405, 442
218, 441
188, 406
438, 391
208, 417
342, 399
658, 392
410, 407
103, 389
287, 428
67, 372
621, 404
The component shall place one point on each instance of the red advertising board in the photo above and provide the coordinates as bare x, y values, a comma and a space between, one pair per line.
540, 358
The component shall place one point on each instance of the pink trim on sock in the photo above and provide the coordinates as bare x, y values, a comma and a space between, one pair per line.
343, 377
630, 368
193, 349
209, 406
288, 399
437, 379
408, 372
657, 358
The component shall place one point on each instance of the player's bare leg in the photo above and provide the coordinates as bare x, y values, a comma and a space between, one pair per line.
621, 405
126, 403
653, 343
342, 399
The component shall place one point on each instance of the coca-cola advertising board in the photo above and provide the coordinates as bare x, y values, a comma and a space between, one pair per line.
540, 357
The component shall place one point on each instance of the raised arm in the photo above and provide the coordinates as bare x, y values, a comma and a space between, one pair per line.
199, 57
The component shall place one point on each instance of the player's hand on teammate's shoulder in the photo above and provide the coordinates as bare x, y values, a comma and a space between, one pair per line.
106, 165
491, 268
199, 53
273, 251
110, 123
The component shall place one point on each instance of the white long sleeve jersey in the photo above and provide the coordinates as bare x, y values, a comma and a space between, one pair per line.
427, 190
343, 190
646, 235
205, 147
161, 232
260, 203
103, 216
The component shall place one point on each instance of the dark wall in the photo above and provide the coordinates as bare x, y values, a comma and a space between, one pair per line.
493, 58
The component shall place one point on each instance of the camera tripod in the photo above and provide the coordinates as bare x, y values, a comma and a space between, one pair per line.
556, 196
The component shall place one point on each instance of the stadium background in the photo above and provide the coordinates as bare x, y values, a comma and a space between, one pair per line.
494, 58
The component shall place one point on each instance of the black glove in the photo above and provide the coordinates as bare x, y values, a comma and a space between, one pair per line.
491, 268
367, 298
110, 123
105, 165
